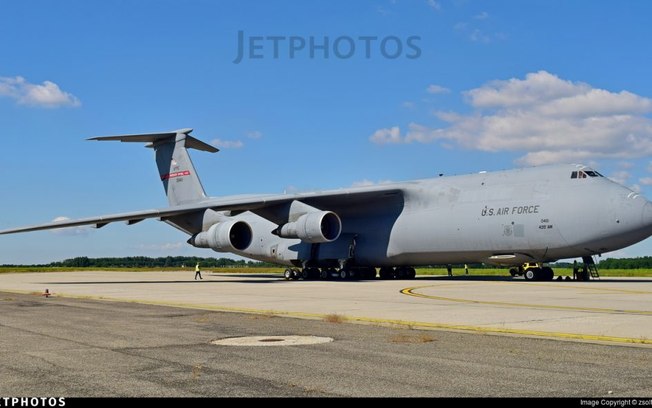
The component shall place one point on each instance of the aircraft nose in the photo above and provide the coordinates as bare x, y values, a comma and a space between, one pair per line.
647, 214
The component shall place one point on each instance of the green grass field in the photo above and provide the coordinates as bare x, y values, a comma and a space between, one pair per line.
20, 269
279, 270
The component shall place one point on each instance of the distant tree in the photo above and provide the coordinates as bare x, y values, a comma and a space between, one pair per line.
162, 262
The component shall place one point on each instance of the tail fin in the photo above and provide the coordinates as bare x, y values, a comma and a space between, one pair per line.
180, 180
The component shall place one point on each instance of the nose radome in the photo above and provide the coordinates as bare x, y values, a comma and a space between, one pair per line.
647, 214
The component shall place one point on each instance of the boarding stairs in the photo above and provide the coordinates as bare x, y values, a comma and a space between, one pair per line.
590, 266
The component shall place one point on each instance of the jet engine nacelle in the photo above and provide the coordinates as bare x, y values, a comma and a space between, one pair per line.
313, 227
226, 236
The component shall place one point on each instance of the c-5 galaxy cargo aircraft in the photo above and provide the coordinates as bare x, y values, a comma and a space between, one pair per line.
507, 218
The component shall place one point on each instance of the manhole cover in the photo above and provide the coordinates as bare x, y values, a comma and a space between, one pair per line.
271, 341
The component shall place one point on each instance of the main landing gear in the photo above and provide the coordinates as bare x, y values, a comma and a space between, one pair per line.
533, 272
349, 273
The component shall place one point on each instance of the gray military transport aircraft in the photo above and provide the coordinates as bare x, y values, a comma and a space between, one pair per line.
507, 218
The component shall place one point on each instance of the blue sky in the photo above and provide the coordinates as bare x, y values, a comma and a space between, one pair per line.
496, 85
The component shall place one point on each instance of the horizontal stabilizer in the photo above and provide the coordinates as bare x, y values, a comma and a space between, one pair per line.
191, 142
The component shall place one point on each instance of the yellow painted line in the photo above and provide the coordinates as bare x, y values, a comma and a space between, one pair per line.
375, 321
411, 292
593, 288
551, 285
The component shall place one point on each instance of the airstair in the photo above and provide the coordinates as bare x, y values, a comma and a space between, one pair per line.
590, 267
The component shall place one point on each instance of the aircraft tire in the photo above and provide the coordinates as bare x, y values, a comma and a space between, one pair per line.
344, 274
386, 273
313, 273
532, 274
547, 273
411, 273
370, 273
287, 274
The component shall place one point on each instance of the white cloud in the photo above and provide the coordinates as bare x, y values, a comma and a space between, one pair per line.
408, 105
227, 144
367, 183
646, 181
254, 134
362, 183
382, 11
476, 29
385, 136
433, 4
620, 177
70, 231
291, 190
478, 35
437, 89
552, 119
48, 94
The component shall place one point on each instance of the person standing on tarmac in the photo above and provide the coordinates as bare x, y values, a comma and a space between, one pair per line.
198, 272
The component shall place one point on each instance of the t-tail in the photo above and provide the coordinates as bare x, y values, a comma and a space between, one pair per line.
180, 180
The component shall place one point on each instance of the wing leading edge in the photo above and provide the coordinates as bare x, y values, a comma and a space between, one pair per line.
264, 205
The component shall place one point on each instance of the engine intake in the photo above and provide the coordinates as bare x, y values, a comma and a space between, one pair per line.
313, 227
226, 236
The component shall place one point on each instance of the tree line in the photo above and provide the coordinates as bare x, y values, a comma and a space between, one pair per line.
644, 262
147, 262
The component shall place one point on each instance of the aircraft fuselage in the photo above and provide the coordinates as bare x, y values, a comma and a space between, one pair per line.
508, 217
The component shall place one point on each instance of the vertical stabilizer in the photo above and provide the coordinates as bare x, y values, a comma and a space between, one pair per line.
175, 168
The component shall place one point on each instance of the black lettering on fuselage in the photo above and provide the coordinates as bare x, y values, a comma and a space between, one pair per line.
525, 209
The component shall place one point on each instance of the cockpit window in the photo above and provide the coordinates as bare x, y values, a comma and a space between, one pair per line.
584, 174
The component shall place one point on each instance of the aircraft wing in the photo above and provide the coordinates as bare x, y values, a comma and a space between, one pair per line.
100, 221
343, 200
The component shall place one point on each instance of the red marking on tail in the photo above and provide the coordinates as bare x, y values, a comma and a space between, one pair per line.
175, 174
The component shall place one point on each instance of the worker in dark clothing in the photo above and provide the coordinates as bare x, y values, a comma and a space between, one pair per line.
575, 269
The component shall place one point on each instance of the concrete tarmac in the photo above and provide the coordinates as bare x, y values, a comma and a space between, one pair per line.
150, 334
616, 311
62, 346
